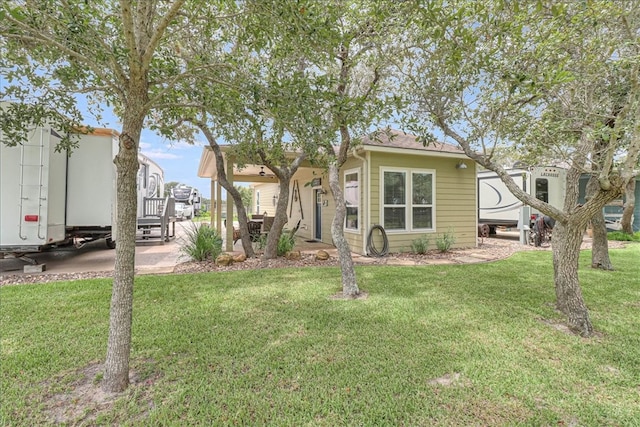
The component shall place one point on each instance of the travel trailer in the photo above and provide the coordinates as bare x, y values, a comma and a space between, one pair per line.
150, 182
497, 206
189, 196
49, 198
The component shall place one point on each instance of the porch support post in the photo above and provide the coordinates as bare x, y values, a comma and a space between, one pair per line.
229, 238
219, 207
212, 186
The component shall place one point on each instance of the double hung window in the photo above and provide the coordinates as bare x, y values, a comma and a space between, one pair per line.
352, 199
408, 200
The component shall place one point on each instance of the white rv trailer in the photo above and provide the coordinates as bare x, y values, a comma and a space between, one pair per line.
91, 187
497, 206
32, 192
150, 181
189, 196
50, 199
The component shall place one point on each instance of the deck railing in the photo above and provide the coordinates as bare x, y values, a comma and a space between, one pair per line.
165, 210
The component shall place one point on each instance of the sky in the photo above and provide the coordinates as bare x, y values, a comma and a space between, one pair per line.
178, 159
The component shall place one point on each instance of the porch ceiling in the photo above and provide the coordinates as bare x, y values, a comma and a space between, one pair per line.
249, 173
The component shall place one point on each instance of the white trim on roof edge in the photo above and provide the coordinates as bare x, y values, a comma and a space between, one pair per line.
398, 150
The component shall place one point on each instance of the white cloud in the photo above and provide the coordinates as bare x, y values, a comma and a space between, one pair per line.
182, 145
160, 154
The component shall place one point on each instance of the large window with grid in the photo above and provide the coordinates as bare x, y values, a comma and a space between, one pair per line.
408, 200
352, 199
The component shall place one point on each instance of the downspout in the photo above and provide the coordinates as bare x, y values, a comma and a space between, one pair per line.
365, 199
477, 202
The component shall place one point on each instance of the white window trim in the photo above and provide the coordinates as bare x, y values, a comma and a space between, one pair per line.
408, 205
257, 201
358, 172
384, 205
432, 204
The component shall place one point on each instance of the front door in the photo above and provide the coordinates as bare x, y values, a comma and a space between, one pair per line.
318, 215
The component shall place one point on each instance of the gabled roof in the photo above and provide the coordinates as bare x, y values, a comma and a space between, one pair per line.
395, 139
389, 141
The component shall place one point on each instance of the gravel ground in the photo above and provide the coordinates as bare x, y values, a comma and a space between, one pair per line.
489, 249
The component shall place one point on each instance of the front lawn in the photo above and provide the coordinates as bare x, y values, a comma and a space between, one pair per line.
435, 345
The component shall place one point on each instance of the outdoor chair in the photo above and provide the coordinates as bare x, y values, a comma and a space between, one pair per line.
254, 230
267, 223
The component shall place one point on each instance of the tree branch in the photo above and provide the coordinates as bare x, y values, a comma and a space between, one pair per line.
129, 33
159, 32
44, 39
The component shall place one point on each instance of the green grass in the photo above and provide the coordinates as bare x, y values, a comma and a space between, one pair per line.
269, 347
204, 216
621, 235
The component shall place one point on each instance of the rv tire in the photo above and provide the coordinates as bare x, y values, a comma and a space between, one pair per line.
111, 244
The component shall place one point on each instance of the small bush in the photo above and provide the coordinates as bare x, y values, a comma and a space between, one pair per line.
625, 237
445, 242
285, 244
201, 242
262, 241
420, 245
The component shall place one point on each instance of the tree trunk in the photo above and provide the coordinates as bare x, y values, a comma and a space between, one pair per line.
116, 370
271, 250
600, 246
284, 174
629, 206
231, 190
566, 252
242, 218
349, 283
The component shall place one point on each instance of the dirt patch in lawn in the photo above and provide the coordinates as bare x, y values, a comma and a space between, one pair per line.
362, 295
560, 326
82, 400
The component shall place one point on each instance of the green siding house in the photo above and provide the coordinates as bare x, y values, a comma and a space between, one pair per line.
411, 191
394, 183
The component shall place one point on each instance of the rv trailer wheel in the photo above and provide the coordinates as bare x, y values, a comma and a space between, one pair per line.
110, 243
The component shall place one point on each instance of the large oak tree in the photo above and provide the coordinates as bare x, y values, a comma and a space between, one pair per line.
345, 47
535, 76
116, 52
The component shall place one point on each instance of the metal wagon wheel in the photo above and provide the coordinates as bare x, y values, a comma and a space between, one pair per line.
540, 238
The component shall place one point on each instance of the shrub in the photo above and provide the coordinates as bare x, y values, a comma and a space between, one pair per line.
625, 237
445, 242
420, 245
201, 242
262, 241
285, 244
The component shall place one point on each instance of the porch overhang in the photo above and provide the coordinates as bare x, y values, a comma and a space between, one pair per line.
248, 173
